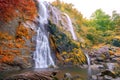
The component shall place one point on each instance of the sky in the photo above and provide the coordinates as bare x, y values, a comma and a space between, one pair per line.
87, 7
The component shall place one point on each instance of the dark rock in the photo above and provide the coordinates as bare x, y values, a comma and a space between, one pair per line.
76, 77
100, 59
116, 42
7, 67
33, 75
108, 73
115, 59
116, 78
62, 41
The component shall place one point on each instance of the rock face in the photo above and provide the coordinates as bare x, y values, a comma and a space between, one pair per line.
17, 37
16, 50
61, 39
16, 44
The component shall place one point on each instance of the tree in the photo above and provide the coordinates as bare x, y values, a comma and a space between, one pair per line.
101, 20
10, 9
116, 18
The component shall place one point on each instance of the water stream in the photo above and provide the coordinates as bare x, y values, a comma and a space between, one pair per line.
42, 54
70, 27
88, 63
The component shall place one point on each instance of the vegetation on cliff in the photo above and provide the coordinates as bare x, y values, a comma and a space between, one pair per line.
10, 9
15, 38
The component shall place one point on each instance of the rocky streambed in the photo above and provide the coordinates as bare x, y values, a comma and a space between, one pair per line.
105, 65
106, 61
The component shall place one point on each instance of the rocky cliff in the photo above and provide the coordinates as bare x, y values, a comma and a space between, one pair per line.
17, 35
16, 44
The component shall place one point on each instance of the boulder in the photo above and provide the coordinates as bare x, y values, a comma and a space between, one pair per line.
111, 66
67, 76
94, 77
33, 75
106, 77
108, 73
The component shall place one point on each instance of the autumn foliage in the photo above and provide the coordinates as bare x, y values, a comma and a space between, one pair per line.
10, 9
10, 46
76, 57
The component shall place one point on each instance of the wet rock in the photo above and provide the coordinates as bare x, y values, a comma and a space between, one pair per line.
106, 77
84, 66
111, 66
67, 76
76, 77
100, 78
33, 75
116, 42
7, 67
100, 59
116, 78
94, 77
97, 67
108, 73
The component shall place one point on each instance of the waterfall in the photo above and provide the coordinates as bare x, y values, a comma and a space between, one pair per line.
88, 59
55, 16
88, 62
70, 27
42, 54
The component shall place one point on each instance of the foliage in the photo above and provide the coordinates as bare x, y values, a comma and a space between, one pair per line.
71, 11
116, 18
101, 20
75, 57
22, 31
62, 41
101, 28
10, 9
11, 46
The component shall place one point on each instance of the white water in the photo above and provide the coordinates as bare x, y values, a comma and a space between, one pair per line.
88, 62
88, 59
70, 27
55, 17
42, 54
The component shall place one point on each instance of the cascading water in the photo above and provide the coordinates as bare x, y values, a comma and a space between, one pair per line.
70, 27
88, 62
88, 59
42, 54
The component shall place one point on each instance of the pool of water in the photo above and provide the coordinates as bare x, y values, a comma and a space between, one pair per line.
83, 73
74, 71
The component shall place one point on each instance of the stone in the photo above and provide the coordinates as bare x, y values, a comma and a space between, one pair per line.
111, 66
33, 75
67, 76
100, 59
100, 78
108, 77
116, 78
94, 77
97, 67
76, 77
108, 73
